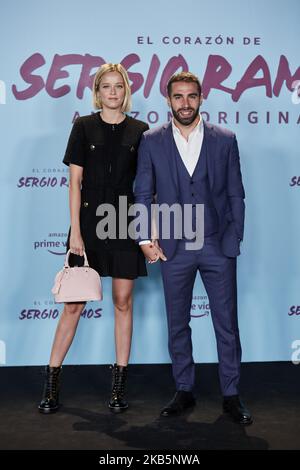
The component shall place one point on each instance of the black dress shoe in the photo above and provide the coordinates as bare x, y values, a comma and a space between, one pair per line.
237, 410
181, 402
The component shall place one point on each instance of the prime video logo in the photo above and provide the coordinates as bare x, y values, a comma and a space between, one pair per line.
2, 353
2, 92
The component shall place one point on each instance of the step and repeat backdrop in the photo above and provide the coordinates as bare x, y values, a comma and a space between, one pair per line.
247, 56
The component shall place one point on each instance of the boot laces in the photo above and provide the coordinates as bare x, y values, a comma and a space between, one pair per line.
51, 386
118, 388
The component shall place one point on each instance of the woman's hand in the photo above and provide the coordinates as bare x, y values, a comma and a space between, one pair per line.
153, 252
76, 243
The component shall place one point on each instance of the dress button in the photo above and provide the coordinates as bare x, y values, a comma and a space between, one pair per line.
85, 204
92, 147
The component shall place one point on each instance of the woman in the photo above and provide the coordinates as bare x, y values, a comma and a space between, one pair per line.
102, 156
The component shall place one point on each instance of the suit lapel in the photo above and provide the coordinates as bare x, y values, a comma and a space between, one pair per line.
169, 149
210, 140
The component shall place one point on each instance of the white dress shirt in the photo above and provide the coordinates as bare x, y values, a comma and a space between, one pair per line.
190, 149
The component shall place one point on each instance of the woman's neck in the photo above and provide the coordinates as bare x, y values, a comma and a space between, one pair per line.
112, 116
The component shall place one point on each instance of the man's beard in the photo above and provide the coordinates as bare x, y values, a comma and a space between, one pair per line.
186, 121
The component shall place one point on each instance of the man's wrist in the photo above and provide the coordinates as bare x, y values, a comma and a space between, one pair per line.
144, 242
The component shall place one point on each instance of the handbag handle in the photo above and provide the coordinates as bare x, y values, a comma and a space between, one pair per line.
86, 263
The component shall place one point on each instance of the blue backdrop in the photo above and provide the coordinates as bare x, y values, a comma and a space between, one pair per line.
247, 55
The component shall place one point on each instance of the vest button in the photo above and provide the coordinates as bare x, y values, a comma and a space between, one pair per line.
92, 147
85, 204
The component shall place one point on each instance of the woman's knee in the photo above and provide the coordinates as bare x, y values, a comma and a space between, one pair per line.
122, 303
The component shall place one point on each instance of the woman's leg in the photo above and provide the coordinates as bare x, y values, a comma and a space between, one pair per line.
65, 332
122, 290
122, 298
64, 335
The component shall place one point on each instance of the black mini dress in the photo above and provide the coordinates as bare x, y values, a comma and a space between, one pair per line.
108, 155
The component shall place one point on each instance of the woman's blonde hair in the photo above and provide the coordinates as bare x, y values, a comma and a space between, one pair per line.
126, 106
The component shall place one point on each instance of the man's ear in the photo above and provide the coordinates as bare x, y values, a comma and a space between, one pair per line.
168, 101
201, 99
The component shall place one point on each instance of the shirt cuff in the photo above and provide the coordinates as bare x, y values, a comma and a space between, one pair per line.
144, 242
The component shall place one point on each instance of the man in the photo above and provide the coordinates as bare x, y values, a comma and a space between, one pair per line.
189, 161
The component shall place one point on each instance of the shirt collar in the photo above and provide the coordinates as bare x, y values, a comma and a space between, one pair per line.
197, 128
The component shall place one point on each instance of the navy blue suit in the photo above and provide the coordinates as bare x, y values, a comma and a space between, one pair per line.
216, 183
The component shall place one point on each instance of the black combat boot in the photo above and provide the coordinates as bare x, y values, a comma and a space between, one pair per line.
117, 402
50, 402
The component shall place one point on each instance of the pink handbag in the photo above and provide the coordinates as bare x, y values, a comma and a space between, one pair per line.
78, 284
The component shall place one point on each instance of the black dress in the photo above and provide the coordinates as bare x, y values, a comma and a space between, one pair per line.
108, 155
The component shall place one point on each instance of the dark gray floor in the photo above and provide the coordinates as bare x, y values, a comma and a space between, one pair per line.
270, 390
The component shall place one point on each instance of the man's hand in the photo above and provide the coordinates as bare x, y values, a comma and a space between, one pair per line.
153, 252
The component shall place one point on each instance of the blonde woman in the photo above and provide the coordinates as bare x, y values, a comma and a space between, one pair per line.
102, 158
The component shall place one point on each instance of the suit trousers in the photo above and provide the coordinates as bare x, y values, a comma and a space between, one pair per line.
218, 274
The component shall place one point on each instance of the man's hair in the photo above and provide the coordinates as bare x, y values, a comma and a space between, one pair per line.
183, 77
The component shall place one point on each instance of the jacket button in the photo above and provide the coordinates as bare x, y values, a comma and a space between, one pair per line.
92, 147
132, 149
85, 204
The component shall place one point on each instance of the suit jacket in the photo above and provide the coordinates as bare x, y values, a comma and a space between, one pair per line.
157, 175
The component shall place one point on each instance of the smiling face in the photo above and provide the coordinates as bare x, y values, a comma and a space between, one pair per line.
112, 90
185, 101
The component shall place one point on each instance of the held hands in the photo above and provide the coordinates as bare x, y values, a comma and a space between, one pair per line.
76, 243
153, 252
